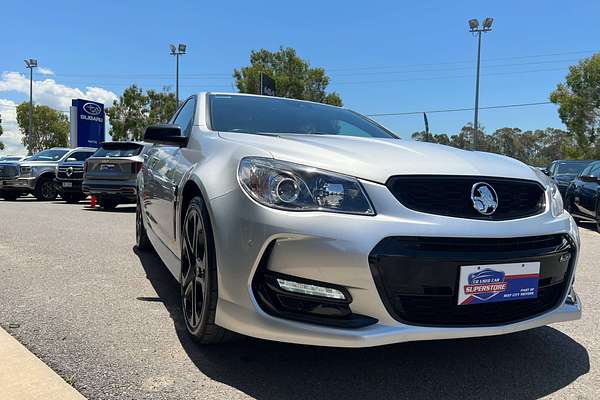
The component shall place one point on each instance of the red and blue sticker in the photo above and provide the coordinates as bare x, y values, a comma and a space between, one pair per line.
498, 282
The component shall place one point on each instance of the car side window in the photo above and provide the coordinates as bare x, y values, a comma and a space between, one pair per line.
80, 156
185, 117
553, 168
587, 170
595, 171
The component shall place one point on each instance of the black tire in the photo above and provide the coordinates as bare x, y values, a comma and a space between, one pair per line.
199, 275
108, 204
569, 208
142, 241
45, 189
72, 198
9, 196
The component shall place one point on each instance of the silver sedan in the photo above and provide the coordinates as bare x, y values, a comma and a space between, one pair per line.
301, 222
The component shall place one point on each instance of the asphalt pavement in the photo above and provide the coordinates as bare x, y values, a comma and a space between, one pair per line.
75, 292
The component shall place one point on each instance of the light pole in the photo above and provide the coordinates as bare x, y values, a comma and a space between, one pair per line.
474, 28
31, 64
177, 51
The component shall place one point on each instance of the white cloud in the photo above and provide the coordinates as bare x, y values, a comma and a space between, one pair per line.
11, 137
51, 93
47, 92
45, 71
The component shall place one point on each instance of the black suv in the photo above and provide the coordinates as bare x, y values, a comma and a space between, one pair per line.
583, 194
69, 174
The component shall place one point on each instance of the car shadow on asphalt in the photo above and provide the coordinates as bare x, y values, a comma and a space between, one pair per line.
119, 209
524, 365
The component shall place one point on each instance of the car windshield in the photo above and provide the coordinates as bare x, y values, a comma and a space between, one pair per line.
254, 114
48, 155
570, 168
119, 150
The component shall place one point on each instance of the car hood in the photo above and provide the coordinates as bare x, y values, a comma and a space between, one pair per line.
39, 163
378, 159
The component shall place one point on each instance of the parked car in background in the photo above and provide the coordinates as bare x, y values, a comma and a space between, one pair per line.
9, 171
302, 222
583, 195
35, 175
564, 171
69, 174
11, 158
110, 173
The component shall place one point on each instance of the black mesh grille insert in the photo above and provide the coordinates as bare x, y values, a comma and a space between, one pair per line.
451, 195
417, 277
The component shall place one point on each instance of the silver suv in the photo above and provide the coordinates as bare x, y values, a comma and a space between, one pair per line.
34, 174
110, 173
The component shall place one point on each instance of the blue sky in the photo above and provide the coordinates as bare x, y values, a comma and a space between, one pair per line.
381, 56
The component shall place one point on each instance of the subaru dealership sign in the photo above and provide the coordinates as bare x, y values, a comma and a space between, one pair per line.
87, 123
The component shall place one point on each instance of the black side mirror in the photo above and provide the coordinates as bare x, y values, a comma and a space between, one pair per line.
589, 178
546, 171
165, 134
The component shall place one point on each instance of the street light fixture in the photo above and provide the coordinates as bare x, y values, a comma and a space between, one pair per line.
474, 28
177, 51
31, 64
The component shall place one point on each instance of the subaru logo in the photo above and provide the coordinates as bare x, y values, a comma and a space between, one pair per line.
92, 108
484, 198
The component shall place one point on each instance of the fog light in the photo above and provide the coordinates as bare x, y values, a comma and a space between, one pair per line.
313, 290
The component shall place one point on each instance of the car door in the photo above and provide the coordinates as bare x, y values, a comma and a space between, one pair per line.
578, 184
589, 190
162, 179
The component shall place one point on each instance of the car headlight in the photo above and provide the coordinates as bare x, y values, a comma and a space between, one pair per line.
25, 171
556, 201
294, 187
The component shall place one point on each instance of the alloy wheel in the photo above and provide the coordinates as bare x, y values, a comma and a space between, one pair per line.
48, 190
194, 275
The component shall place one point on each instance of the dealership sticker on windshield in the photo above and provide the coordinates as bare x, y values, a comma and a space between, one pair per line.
498, 282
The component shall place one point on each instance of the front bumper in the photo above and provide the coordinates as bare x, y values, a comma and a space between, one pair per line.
335, 248
18, 184
69, 186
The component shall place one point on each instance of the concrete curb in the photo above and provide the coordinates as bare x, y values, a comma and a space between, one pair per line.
23, 376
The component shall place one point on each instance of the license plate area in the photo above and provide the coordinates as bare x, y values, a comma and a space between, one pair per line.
67, 184
107, 167
492, 283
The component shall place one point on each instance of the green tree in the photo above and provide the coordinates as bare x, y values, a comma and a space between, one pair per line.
440, 138
133, 111
506, 141
579, 105
162, 105
128, 115
50, 127
294, 78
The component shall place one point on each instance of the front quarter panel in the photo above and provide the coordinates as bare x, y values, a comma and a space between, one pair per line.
211, 163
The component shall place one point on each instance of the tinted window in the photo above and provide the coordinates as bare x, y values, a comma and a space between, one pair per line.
114, 149
48, 155
251, 114
595, 170
570, 168
185, 118
586, 171
80, 156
